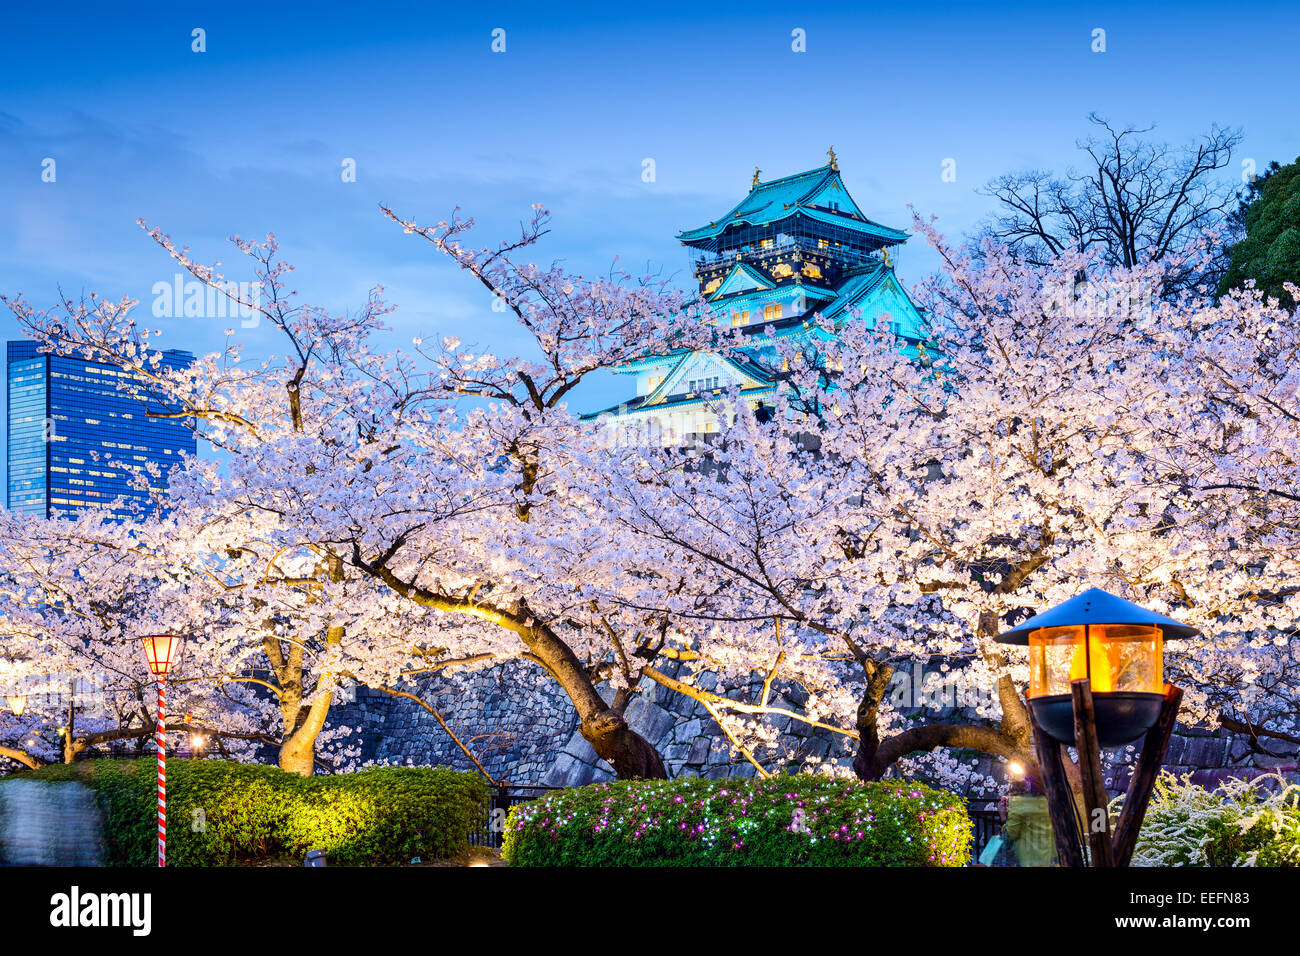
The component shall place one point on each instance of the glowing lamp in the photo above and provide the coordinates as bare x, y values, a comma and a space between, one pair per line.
161, 650
18, 704
1115, 644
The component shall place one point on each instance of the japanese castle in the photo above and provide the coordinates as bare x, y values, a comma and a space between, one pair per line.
792, 249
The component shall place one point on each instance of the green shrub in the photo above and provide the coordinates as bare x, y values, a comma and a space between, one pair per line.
1240, 823
221, 813
779, 821
386, 815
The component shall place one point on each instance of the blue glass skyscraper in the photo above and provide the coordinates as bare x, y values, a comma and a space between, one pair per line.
75, 441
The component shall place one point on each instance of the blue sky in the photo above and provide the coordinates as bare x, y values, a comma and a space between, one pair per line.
249, 136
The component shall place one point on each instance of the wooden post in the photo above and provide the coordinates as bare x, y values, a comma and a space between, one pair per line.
1060, 800
1145, 772
1097, 822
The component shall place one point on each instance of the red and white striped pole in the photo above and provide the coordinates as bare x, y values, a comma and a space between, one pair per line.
162, 770
161, 651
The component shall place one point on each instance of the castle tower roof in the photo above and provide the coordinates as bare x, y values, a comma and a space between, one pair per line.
817, 197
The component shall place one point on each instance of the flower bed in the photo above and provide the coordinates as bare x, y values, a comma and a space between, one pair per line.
779, 821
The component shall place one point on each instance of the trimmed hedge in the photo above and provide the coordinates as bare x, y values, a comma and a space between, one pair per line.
800, 820
221, 813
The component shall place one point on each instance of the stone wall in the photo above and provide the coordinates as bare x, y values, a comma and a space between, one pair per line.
523, 729
688, 739
511, 717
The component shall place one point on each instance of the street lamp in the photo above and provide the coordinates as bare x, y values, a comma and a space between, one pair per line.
1116, 645
161, 651
18, 704
1096, 680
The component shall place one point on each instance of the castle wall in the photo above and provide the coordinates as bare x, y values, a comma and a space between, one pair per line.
523, 729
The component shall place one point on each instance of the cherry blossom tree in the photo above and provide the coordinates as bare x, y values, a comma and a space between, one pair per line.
274, 606
523, 558
380, 514
905, 505
443, 482
1235, 427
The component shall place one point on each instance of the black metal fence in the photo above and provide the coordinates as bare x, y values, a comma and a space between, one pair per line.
986, 826
503, 797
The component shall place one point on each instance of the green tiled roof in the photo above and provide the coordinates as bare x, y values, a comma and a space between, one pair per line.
863, 225
853, 291
638, 404
782, 198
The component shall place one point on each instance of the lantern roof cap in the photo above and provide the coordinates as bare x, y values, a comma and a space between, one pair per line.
1095, 606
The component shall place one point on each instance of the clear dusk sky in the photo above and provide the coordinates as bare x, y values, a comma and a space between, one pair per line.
250, 136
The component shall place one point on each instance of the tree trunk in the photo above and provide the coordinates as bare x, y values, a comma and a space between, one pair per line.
22, 756
303, 725
1012, 740
298, 751
601, 725
298, 746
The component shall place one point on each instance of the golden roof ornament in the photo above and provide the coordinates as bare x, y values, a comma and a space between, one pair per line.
835, 163
889, 262
756, 172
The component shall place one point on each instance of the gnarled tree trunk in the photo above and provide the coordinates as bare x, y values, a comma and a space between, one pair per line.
1012, 740
602, 725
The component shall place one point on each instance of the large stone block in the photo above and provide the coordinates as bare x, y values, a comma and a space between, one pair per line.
560, 770
688, 730
1206, 752
579, 747
649, 720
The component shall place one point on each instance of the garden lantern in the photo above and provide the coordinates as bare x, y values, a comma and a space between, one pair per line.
1116, 645
161, 651
1096, 680
18, 704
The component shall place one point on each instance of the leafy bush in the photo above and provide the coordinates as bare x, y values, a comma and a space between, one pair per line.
221, 813
801, 820
386, 815
1240, 823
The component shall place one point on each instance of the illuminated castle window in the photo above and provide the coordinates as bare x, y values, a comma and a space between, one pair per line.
740, 318
772, 312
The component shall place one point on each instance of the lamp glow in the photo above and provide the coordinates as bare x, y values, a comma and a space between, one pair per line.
161, 652
1117, 646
